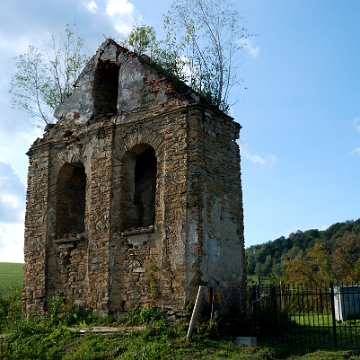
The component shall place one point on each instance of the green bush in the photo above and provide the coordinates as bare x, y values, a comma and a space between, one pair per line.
10, 307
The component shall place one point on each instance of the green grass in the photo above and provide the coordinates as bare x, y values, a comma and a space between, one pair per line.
314, 331
49, 337
253, 279
11, 274
312, 320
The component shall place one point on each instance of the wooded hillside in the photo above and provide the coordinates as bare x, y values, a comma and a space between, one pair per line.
274, 257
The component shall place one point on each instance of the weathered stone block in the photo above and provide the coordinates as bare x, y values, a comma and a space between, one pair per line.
39, 293
130, 305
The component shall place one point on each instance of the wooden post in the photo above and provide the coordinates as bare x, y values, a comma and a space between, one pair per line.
195, 312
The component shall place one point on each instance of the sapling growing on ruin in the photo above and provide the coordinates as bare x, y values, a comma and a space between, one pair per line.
202, 47
212, 40
45, 76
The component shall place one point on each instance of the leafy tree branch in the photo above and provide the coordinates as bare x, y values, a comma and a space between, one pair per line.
45, 76
202, 47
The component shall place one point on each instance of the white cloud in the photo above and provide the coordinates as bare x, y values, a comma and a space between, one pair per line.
119, 7
11, 201
186, 70
355, 151
12, 213
269, 160
12, 242
248, 45
14, 44
254, 52
12, 48
356, 123
12, 195
92, 6
122, 15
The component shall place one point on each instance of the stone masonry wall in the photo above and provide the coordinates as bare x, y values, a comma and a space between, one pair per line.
215, 254
86, 235
222, 250
135, 261
36, 230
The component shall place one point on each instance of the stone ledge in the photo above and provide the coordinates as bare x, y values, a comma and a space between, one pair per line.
145, 230
69, 240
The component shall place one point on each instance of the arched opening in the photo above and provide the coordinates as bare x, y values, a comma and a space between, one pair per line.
105, 89
138, 188
70, 200
145, 187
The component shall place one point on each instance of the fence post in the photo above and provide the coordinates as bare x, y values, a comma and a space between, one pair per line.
211, 302
273, 305
195, 312
254, 310
333, 313
255, 298
282, 295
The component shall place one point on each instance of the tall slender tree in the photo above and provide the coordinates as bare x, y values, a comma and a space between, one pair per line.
202, 46
211, 41
45, 76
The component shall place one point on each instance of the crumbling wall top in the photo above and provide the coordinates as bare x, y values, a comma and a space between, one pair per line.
117, 81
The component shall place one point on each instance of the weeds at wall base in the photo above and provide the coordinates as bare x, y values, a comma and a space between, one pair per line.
48, 337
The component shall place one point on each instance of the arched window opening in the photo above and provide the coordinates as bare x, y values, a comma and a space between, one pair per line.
145, 187
105, 89
70, 202
138, 188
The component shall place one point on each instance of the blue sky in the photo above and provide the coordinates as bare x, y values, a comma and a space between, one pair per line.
300, 111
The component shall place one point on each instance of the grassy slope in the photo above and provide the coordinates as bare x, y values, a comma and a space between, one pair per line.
11, 274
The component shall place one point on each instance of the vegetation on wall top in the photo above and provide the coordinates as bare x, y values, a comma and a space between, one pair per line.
202, 46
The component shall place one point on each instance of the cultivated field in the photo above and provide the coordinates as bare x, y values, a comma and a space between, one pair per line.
11, 274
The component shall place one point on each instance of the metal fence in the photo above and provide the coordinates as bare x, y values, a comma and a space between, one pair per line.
300, 316
286, 316
292, 316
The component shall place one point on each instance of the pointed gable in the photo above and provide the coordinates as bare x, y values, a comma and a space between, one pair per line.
116, 81
136, 173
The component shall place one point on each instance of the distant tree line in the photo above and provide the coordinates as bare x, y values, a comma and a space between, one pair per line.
312, 256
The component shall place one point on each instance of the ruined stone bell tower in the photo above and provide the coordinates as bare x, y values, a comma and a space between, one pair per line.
134, 195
